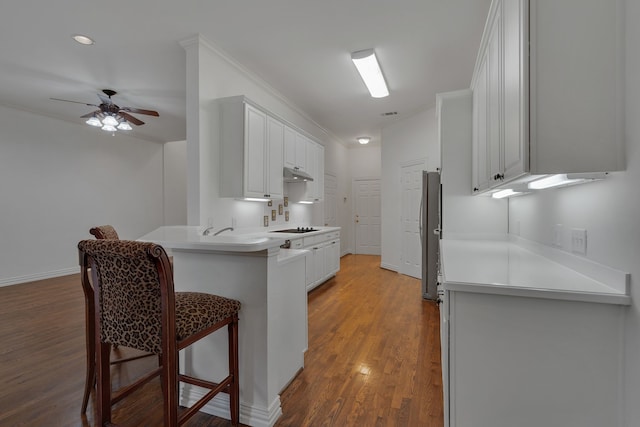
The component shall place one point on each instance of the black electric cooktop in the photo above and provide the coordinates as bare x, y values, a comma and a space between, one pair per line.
296, 230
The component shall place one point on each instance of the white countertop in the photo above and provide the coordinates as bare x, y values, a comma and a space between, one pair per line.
507, 268
182, 237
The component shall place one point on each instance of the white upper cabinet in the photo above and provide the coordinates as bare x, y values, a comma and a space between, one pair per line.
275, 139
548, 90
290, 147
315, 168
301, 146
251, 150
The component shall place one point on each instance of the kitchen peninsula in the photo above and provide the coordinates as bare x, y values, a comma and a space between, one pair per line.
270, 284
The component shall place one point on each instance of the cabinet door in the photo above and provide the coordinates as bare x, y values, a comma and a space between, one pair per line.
310, 269
319, 177
255, 152
312, 163
494, 98
289, 147
319, 263
479, 166
516, 160
275, 132
332, 258
301, 152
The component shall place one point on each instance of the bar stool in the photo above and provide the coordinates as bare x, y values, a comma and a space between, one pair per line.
138, 308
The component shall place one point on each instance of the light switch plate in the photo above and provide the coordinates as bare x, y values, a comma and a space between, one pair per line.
579, 240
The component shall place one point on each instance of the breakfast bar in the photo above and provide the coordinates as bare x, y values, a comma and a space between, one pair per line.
270, 284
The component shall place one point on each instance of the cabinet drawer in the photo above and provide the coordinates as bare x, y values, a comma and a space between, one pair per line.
312, 240
333, 235
296, 244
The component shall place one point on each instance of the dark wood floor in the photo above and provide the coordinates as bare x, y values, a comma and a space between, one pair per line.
373, 359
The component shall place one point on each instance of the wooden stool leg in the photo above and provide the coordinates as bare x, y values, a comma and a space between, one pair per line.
234, 392
103, 398
90, 377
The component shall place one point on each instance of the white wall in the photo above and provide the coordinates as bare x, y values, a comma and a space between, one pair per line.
410, 139
609, 210
175, 183
211, 74
59, 179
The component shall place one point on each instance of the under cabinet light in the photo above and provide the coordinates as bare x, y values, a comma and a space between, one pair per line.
505, 193
254, 199
565, 179
371, 73
305, 202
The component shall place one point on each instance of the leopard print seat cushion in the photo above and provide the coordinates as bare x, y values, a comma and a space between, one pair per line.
130, 295
196, 311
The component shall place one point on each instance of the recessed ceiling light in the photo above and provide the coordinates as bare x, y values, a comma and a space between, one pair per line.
82, 39
363, 139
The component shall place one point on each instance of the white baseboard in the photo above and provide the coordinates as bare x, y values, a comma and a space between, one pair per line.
219, 406
38, 276
391, 267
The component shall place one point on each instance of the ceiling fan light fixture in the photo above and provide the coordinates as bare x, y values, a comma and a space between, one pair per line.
110, 121
367, 65
108, 128
124, 125
82, 39
93, 121
363, 139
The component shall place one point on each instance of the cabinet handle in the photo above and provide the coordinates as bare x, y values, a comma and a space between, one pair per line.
476, 189
498, 176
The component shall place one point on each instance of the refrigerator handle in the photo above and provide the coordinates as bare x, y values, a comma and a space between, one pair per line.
420, 220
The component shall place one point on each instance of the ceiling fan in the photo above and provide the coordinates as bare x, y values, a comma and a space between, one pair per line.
111, 117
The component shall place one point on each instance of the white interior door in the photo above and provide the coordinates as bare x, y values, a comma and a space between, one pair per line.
330, 199
411, 251
367, 216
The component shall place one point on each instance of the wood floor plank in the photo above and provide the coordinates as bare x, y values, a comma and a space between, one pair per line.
373, 358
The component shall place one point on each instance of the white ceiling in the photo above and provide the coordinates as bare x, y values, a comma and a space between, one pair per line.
300, 47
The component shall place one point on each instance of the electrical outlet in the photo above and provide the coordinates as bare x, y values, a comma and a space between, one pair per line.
557, 235
579, 240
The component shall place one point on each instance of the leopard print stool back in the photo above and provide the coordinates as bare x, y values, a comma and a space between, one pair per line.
129, 292
104, 232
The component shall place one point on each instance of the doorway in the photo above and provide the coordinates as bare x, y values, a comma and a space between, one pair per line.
411, 248
367, 216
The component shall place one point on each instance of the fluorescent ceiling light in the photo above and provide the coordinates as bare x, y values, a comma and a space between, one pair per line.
369, 69
82, 39
565, 179
504, 193
363, 139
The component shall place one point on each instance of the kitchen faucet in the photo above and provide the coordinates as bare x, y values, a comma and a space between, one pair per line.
208, 230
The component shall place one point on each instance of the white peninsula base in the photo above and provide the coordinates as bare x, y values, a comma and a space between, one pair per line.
269, 283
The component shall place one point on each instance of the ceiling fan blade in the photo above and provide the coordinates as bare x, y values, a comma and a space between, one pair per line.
75, 102
105, 99
131, 119
140, 111
93, 113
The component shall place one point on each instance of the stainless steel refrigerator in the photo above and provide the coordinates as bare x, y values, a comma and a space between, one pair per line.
430, 233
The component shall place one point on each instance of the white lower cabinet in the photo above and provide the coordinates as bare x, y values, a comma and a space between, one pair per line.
531, 362
323, 259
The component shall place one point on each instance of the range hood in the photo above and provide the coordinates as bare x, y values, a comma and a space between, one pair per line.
296, 175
